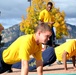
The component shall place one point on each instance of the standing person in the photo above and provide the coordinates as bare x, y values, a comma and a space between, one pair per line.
23, 47
45, 16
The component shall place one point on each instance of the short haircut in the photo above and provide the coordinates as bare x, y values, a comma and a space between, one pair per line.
43, 27
50, 3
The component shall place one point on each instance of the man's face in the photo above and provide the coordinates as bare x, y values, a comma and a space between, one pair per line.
49, 7
44, 36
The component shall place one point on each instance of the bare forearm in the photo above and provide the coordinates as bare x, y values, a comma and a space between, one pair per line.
24, 68
64, 57
65, 64
39, 67
73, 60
40, 70
24, 71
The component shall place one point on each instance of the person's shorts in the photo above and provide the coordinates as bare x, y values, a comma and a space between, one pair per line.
3, 66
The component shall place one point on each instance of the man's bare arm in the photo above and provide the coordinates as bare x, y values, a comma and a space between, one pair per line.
24, 67
39, 65
64, 58
73, 60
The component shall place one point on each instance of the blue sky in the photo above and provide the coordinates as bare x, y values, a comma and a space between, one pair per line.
12, 10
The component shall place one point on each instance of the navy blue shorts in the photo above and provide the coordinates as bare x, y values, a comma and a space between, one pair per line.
3, 66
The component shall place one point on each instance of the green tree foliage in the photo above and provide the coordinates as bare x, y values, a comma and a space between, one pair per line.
30, 22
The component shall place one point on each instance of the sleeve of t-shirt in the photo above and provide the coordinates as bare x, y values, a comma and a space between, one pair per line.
38, 55
24, 49
41, 16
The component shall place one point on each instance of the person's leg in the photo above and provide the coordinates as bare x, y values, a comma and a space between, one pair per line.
9, 71
53, 37
58, 62
51, 41
3, 66
49, 56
